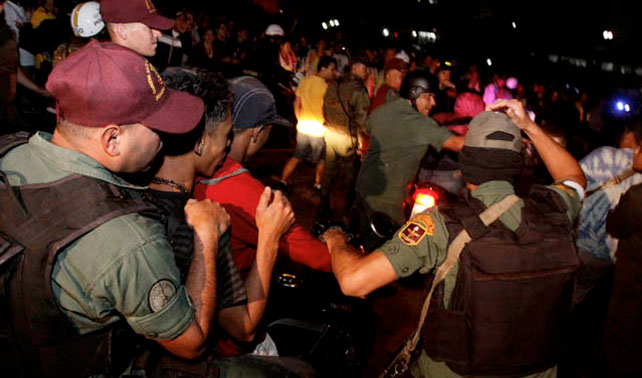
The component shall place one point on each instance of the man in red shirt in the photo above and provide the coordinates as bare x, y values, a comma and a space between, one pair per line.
394, 71
238, 192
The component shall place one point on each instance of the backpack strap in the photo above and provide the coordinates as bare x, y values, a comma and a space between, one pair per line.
402, 360
10, 141
613, 181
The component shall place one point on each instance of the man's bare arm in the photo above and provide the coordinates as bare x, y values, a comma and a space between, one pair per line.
357, 275
273, 220
559, 162
454, 143
209, 220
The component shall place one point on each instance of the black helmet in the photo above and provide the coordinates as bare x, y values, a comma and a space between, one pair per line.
414, 84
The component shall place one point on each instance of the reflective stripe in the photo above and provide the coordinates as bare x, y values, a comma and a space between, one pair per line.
214, 181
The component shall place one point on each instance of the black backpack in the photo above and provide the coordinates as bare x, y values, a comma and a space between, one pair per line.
512, 297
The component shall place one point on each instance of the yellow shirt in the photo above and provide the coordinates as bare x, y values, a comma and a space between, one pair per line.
311, 91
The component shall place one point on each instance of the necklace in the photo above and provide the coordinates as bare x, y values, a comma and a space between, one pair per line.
164, 181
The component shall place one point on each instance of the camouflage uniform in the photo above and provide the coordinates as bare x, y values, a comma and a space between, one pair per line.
345, 108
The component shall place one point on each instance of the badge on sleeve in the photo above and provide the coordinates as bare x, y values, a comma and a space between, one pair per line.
160, 293
416, 229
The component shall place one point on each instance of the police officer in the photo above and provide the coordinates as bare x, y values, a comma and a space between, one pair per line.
135, 24
400, 133
121, 274
537, 227
345, 107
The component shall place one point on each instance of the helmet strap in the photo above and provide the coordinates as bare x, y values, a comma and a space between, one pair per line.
413, 102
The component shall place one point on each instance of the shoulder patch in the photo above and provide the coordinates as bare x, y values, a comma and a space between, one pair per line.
160, 293
416, 229
571, 192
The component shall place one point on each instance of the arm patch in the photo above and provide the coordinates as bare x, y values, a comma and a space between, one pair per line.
416, 229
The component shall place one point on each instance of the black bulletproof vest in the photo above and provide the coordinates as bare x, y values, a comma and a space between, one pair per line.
36, 222
513, 290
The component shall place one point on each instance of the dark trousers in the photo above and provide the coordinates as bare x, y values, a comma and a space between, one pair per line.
341, 162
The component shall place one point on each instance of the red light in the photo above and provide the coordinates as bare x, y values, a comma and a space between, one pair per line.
395, 34
426, 198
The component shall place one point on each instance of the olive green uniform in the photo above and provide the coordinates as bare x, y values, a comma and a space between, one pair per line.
428, 250
125, 267
399, 138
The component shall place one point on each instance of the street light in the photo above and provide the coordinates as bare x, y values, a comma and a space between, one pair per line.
386, 33
607, 35
324, 25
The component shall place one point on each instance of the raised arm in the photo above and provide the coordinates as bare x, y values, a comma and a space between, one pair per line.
559, 162
273, 219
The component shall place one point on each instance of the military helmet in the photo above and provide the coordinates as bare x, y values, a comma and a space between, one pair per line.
414, 84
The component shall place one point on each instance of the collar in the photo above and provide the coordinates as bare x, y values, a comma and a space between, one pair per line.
74, 161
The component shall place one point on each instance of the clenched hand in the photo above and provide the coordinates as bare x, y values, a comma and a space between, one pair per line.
276, 217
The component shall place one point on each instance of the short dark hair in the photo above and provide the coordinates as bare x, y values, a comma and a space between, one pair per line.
635, 127
217, 97
210, 86
325, 61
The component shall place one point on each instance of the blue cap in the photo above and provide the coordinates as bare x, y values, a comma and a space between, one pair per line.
253, 104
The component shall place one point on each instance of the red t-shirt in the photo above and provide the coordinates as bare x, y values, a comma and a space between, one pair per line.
380, 97
238, 192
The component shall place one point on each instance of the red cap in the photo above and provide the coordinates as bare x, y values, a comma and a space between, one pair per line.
395, 64
104, 83
126, 11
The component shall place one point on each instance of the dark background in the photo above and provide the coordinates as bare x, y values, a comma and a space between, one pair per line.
473, 31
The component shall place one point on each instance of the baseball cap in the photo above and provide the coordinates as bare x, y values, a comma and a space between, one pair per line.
274, 30
493, 130
403, 56
395, 64
126, 11
253, 104
104, 83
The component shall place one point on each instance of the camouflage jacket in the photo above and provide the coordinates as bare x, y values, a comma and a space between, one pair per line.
346, 104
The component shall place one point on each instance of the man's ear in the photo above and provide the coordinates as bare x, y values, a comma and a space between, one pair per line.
122, 31
255, 134
110, 140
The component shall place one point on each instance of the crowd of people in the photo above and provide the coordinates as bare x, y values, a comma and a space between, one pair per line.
134, 242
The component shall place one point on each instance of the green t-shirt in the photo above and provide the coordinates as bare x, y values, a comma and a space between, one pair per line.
123, 268
411, 250
399, 138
